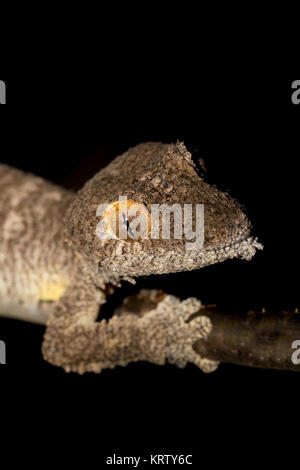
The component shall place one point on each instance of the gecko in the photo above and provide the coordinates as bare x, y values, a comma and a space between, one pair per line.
55, 269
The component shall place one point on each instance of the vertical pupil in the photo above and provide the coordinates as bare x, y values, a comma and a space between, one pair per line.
118, 218
126, 222
128, 228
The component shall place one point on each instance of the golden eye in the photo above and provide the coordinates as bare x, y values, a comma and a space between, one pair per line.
127, 220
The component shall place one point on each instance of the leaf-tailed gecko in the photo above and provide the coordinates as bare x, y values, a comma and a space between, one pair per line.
54, 267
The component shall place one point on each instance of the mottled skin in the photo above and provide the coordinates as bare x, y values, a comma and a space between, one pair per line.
54, 268
35, 262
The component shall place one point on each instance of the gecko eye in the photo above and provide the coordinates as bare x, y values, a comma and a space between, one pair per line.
127, 220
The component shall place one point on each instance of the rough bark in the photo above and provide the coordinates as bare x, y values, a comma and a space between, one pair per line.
256, 339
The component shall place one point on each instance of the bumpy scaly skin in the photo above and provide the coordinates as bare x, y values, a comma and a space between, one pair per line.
155, 173
161, 335
55, 267
35, 262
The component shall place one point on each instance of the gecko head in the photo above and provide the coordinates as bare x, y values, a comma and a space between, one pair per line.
149, 212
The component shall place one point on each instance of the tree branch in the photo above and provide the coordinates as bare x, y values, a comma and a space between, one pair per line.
256, 339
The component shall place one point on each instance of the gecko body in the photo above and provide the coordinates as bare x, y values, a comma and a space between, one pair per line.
54, 267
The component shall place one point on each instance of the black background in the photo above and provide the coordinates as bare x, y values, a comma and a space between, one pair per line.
247, 131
